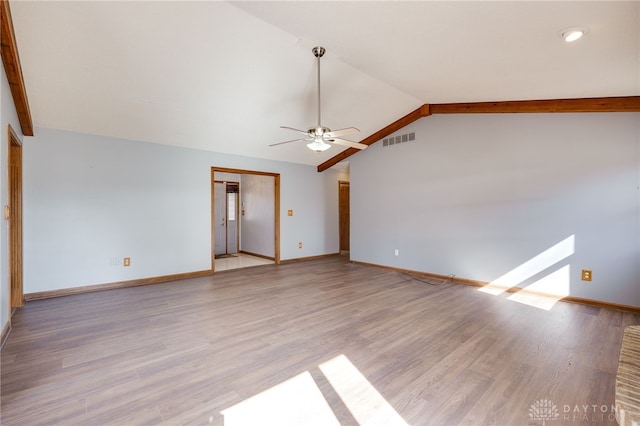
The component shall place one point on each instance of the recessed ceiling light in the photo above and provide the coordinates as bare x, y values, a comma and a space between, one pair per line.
573, 34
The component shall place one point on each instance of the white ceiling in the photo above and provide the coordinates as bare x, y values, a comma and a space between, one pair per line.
223, 76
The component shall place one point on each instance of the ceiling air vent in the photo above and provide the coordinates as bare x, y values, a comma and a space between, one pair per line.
397, 140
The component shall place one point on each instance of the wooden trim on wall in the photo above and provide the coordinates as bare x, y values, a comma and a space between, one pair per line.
276, 207
308, 258
243, 171
262, 256
608, 104
15, 221
213, 220
5, 334
475, 283
115, 285
11, 62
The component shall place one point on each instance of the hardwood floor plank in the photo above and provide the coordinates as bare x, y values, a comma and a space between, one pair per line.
182, 352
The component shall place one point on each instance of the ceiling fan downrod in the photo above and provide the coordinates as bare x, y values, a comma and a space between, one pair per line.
318, 52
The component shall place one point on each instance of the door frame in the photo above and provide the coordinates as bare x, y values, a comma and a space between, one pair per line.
341, 207
226, 222
276, 206
14, 163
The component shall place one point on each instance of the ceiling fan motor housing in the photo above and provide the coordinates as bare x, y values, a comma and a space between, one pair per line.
318, 131
318, 51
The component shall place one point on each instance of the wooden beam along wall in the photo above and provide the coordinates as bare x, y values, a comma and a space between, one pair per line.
609, 104
414, 115
11, 62
615, 104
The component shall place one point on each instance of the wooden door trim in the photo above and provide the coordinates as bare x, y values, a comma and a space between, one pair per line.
341, 183
276, 202
16, 291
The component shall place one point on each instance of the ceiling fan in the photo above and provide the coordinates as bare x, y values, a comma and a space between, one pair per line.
320, 137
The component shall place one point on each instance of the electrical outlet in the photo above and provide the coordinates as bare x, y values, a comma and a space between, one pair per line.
300, 245
127, 261
289, 212
397, 252
586, 275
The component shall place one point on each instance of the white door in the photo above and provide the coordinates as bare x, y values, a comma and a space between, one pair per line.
232, 222
220, 217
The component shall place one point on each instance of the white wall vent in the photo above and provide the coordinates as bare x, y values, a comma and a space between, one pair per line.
396, 140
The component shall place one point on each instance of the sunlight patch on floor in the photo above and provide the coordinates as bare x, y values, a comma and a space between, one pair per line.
531, 267
297, 401
364, 402
554, 287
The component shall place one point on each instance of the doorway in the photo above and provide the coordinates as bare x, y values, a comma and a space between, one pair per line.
343, 212
245, 218
227, 228
14, 216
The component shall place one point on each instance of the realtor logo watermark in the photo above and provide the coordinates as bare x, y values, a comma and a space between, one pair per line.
545, 410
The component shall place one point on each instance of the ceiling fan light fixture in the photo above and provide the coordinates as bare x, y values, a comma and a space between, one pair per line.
318, 145
323, 137
572, 34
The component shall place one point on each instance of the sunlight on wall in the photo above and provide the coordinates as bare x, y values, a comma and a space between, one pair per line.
366, 404
294, 402
299, 401
531, 267
554, 287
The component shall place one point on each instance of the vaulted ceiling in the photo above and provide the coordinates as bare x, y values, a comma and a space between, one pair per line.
223, 76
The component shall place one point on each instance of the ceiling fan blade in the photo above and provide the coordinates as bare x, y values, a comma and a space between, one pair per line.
292, 140
350, 144
304, 132
342, 132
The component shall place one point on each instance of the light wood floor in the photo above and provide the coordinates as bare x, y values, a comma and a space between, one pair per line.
240, 260
183, 352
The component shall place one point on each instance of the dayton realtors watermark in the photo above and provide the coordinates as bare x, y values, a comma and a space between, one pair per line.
545, 410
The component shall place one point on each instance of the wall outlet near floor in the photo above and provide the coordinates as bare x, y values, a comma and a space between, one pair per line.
397, 252
300, 244
586, 275
126, 261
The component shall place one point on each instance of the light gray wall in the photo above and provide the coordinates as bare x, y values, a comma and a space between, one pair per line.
227, 177
480, 195
258, 201
89, 201
315, 213
8, 116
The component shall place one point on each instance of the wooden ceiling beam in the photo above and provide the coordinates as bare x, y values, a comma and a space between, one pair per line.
11, 62
614, 104
414, 115
609, 104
